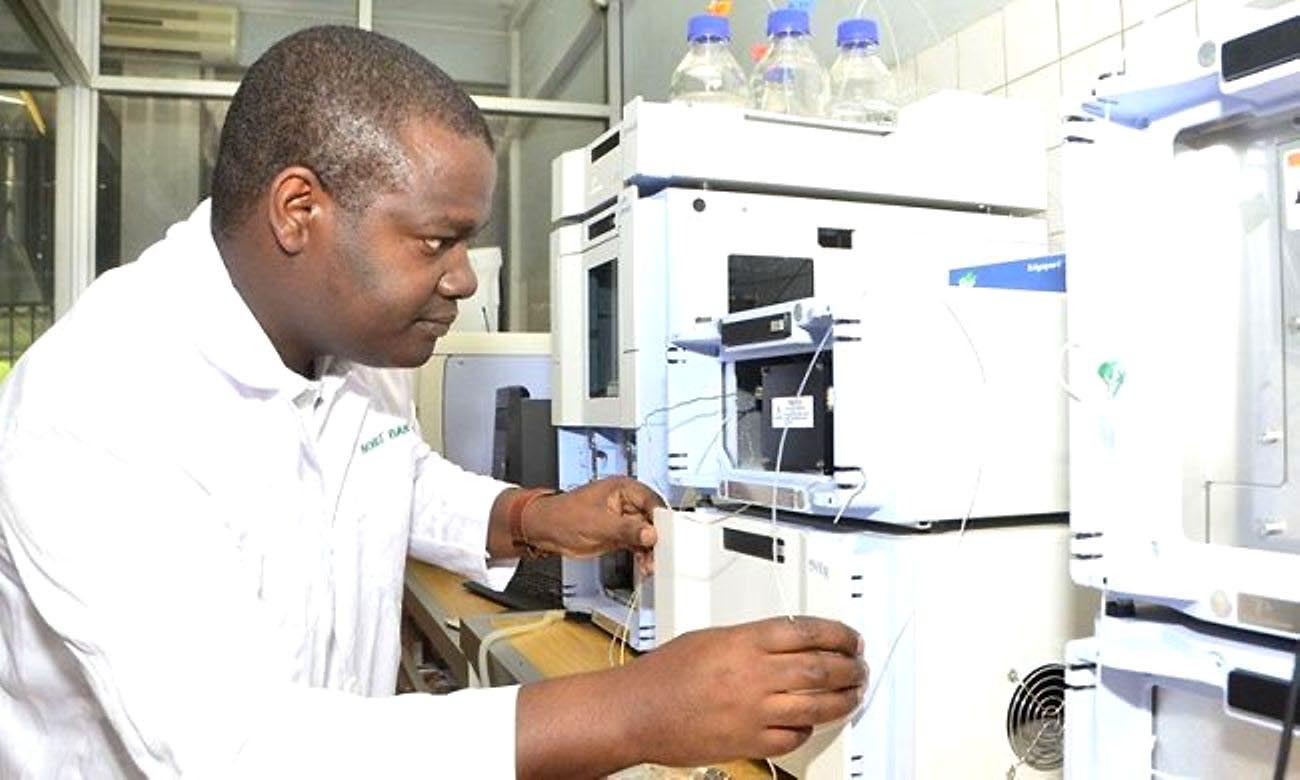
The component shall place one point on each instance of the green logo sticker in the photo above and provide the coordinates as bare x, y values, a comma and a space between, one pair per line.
968, 279
1112, 373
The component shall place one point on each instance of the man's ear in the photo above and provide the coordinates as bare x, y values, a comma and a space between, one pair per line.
295, 205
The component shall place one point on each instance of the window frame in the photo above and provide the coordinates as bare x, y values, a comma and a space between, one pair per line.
70, 41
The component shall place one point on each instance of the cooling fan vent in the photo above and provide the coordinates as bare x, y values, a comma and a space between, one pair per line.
1036, 718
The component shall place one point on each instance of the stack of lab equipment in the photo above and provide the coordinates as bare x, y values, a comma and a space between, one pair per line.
1182, 202
964, 638
840, 367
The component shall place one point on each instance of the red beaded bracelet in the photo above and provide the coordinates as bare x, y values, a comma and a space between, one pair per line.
515, 514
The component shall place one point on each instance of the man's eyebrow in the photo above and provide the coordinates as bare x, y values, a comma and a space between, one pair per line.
444, 222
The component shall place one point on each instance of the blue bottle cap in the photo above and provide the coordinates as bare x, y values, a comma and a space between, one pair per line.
779, 75
853, 31
784, 21
706, 26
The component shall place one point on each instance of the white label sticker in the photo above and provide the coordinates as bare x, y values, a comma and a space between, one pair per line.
1291, 186
795, 411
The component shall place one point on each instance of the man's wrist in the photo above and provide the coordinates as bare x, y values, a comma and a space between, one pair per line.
522, 521
560, 733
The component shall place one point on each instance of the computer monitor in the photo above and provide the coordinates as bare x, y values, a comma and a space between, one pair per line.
456, 390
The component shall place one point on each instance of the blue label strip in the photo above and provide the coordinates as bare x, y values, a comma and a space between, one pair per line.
1041, 274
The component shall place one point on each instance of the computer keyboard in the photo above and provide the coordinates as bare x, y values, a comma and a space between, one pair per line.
536, 585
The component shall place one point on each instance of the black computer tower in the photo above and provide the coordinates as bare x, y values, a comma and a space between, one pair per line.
523, 445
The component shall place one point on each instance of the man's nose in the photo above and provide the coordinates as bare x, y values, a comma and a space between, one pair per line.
458, 281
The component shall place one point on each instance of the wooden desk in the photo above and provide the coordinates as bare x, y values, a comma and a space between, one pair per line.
435, 602
566, 647
435, 596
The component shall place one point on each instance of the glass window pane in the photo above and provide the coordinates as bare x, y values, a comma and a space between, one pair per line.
469, 39
561, 44
562, 51
203, 39
155, 164
27, 132
63, 12
17, 49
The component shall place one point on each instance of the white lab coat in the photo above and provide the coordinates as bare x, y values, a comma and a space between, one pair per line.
201, 552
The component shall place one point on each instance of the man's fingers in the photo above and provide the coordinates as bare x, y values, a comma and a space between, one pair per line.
779, 741
635, 533
783, 635
810, 709
645, 561
816, 671
639, 498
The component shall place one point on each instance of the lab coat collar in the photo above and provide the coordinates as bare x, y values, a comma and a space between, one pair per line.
228, 334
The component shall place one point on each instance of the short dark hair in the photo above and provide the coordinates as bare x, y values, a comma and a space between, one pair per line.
332, 99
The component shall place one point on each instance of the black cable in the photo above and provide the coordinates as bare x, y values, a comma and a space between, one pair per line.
1288, 720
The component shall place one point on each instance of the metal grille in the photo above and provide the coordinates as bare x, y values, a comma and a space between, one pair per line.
1036, 718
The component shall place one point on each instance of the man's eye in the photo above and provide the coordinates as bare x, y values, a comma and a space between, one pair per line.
434, 245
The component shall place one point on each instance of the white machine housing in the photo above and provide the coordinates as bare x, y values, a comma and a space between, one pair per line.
940, 371
647, 216
622, 372
949, 148
1183, 212
455, 400
1167, 698
938, 381
622, 386
965, 635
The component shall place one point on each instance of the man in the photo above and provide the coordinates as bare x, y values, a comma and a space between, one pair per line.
200, 562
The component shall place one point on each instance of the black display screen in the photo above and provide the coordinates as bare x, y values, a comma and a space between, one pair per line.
602, 330
1261, 49
764, 280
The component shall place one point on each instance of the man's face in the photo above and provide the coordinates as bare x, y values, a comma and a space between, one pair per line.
399, 266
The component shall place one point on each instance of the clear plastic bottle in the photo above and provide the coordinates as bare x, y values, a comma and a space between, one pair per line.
862, 88
789, 79
709, 72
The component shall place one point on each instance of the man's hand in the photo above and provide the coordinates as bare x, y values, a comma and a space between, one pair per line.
609, 514
745, 691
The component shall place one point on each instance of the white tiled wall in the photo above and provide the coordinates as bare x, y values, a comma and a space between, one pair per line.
981, 56
1043, 89
1031, 36
1084, 22
936, 67
1048, 52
